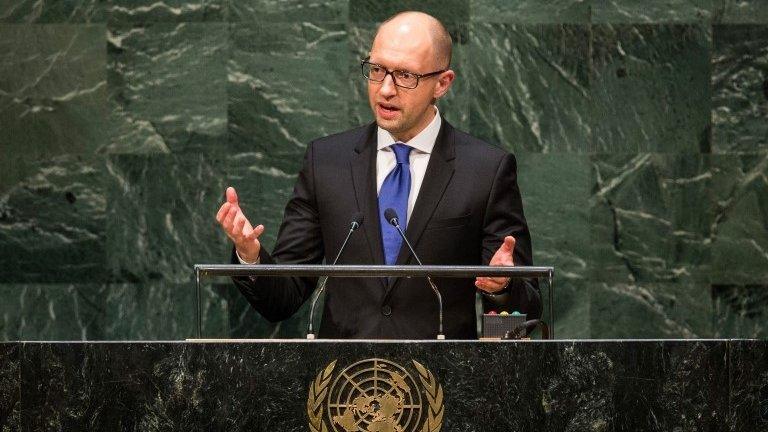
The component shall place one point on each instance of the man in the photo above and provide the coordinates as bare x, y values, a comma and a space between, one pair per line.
456, 197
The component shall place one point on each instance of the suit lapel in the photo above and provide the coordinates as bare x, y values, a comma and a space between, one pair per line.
436, 178
363, 166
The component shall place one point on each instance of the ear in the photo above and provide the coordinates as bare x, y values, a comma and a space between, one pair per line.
444, 82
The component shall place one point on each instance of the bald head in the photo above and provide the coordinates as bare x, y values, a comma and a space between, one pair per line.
411, 21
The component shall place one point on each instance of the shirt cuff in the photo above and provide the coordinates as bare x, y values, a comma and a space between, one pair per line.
242, 261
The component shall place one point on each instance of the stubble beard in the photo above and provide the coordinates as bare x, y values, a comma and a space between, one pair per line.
398, 125
394, 126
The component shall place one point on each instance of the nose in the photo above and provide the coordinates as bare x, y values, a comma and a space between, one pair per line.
388, 87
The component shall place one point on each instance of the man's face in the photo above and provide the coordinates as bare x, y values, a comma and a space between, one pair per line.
400, 111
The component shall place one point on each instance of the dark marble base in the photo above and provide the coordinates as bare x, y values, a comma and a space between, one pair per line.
693, 385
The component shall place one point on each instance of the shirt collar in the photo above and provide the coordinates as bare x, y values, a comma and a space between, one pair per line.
424, 141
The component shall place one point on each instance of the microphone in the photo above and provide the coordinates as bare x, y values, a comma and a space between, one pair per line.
357, 220
391, 215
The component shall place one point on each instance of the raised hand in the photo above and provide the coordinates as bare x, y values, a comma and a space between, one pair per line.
504, 256
238, 229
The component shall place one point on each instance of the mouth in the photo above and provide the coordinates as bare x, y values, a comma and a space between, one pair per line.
387, 110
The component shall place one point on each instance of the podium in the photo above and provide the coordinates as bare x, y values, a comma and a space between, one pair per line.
364, 385
292, 386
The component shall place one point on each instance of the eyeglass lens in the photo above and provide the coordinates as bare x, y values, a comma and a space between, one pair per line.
402, 78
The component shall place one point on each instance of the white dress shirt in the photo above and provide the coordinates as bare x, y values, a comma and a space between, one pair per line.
422, 144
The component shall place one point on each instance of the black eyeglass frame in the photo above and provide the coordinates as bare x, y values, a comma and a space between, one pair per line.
392, 72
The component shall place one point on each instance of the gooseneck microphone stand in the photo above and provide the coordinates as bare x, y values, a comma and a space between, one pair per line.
391, 216
357, 220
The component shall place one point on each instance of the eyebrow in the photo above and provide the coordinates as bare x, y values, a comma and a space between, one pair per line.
407, 69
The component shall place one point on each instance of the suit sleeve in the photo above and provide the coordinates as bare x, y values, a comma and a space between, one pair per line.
299, 241
503, 217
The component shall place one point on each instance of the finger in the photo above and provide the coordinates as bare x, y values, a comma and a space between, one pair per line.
255, 233
491, 284
484, 282
230, 218
491, 281
232, 195
239, 224
222, 212
509, 243
485, 286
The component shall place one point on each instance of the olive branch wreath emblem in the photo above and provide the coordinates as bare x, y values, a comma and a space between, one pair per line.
318, 392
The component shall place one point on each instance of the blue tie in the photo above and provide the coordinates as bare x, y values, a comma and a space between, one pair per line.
394, 194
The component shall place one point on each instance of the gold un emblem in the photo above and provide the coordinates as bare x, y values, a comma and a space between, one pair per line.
375, 395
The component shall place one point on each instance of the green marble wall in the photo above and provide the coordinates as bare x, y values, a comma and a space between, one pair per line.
641, 129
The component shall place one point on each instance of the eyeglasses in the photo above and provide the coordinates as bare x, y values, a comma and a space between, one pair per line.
377, 73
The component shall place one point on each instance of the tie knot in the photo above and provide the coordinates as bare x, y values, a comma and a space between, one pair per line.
402, 152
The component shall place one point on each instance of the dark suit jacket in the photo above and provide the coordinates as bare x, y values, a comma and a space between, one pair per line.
469, 200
